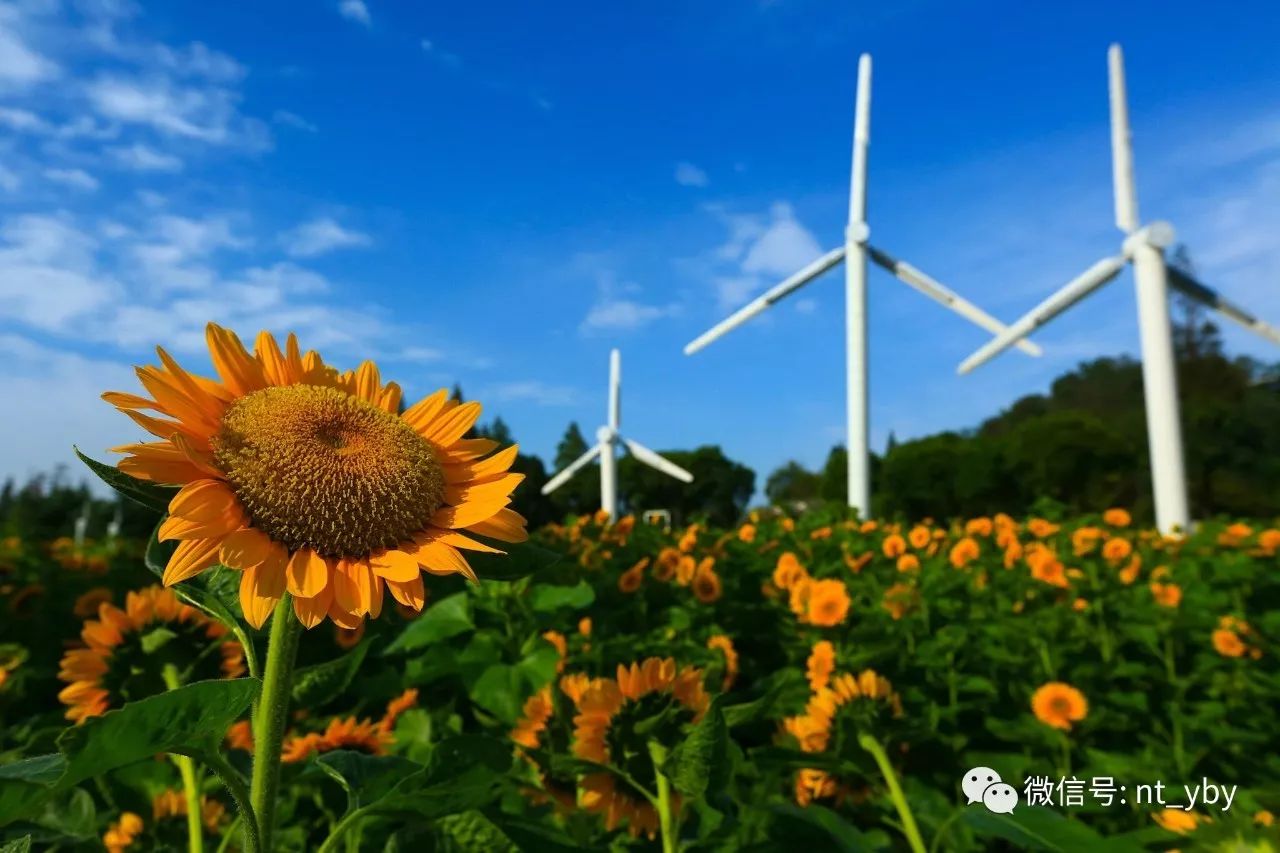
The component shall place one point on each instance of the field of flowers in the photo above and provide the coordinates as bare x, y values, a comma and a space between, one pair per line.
797, 681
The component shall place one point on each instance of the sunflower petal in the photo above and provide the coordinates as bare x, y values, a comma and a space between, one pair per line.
460, 540
311, 611
506, 525
204, 500
176, 527
483, 470
350, 586
190, 559
441, 559
490, 492
452, 426
249, 547
453, 517
261, 588
420, 414
411, 594
395, 565
275, 367
307, 574
342, 617
368, 384
467, 449
239, 371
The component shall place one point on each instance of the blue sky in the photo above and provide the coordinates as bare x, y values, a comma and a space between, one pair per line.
498, 194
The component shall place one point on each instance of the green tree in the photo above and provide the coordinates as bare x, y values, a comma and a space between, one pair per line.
581, 494
719, 492
792, 483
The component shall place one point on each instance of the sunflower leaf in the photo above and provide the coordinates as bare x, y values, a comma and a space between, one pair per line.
701, 762
150, 495
18, 845
520, 560
366, 778
545, 598
213, 591
446, 618
315, 685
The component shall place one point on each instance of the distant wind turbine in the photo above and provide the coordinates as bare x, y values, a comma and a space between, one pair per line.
1144, 248
607, 440
855, 253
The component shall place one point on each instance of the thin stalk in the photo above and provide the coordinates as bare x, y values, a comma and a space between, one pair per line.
339, 830
273, 709
240, 795
666, 820
909, 828
1175, 707
190, 782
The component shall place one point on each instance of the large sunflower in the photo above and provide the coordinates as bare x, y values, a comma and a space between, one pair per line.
605, 732
310, 481
126, 651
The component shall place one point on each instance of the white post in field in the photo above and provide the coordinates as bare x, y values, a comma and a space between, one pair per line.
1159, 376
608, 436
855, 278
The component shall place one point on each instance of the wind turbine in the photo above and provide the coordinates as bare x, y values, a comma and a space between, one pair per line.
855, 252
1144, 248
607, 440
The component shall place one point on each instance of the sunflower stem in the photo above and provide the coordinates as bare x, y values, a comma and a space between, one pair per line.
666, 820
190, 783
235, 786
909, 828
273, 709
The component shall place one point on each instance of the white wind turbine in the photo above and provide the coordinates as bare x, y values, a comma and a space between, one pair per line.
855, 252
1144, 248
607, 440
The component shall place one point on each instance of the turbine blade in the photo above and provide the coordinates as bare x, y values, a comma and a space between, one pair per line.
1187, 285
615, 389
1122, 178
576, 465
755, 306
1071, 293
653, 460
944, 296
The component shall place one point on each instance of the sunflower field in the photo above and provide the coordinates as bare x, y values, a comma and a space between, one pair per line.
289, 668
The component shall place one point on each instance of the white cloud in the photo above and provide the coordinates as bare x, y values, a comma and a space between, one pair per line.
355, 10
48, 273
444, 57
533, 391
783, 247
77, 179
420, 354
612, 313
143, 158
23, 120
293, 120
207, 114
198, 60
320, 236
9, 180
689, 175
20, 66
758, 251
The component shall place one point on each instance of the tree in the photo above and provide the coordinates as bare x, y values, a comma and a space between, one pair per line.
719, 492
835, 476
792, 483
582, 493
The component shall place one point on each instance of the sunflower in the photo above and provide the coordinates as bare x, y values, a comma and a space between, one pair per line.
1059, 705
310, 482
533, 720
724, 645
87, 604
372, 737
706, 583
747, 533
558, 640
1085, 539
1117, 517
1269, 542
1129, 573
824, 603
1166, 594
630, 580
605, 731
820, 665
1116, 549
908, 563
899, 598
121, 834
668, 562
171, 803
788, 571
978, 527
893, 546
964, 552
1178, 821
125, 652
1042, 528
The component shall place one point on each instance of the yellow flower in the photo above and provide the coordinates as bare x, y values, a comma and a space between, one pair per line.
820, 665
584, 626
820, 602
1085, 539
706, 583
668, 562
1059, 705
919, 537
1228, 643
309, 481
121, 834
533, 719
1116, 549
724, 645
112, 663
1264, 818
1166, 594
788, 571
1041, 529
1117, 517
747, 533
978, 527
964, 552
1129, 573
604, 724
629, 581
1177, 820
893, 546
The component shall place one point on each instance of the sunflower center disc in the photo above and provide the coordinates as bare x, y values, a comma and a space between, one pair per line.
316, 467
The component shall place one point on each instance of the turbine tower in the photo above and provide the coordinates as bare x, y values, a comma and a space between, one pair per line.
607, 440
1143, 246
854, 253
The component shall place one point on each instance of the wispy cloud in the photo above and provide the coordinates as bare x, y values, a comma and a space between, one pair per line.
532, 391
321, 236
144, 158
77, 179
293, 120
444, 57
355, 10
689, 175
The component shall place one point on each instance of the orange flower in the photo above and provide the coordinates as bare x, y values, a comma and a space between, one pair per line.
536, 712
1117, 517
978, 527
820, 665
121, 834
668, 562
1269, 542
893, 546
1178, 820
584, 626
908, 563
788, 524
1234, 535
629, 581
240, 736
898, 599
867, 527
788, 571
1116, 550
820, 602
724, 645
1013, 552
706, 583
686, 570
858, 563
964, 552
1129, 573
821, 533
1085, 539
747, 533
919, 537
689, 540
1042, 529
1059, 705
1228, 643
1050, 570
1166, 594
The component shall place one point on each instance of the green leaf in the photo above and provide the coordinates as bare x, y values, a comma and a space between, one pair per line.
701, 762
528, 835
465, 772
446, 618
25, 785
73, 816
19, 845
539, 666
817, 825
188, 718
545, 597
215, 591
151, 495
155, 639
1034, 828
366, 778
314, 686
499, 690
520, 560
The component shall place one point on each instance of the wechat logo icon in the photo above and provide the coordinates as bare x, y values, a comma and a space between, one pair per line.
984, 785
